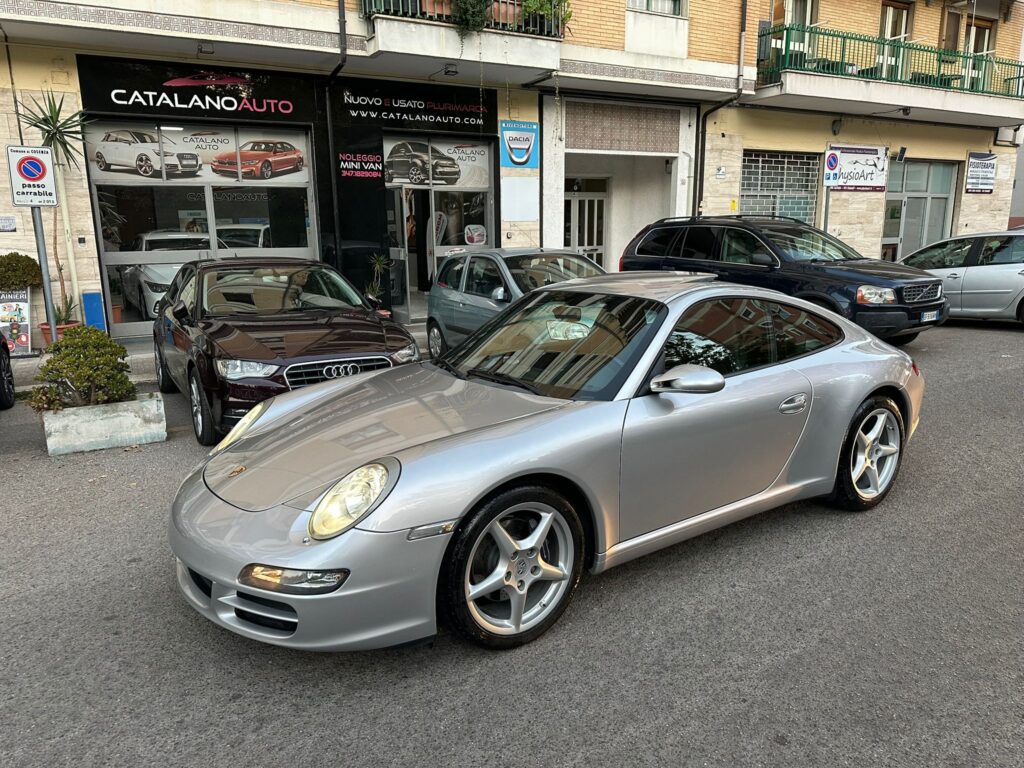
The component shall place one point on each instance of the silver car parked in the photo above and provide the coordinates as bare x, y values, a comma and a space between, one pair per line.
471, 288
597, 421
982, 275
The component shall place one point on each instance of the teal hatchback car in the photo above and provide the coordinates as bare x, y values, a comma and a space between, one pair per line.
473, 287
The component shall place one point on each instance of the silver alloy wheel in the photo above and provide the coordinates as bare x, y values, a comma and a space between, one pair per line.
144, 165
196, 404
875, 454
518, 570
101, 161
435, 341
416, 175
266, 170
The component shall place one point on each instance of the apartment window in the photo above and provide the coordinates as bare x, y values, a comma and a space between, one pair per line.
803, 12
672, 7
951, 31
897, 20
780, 184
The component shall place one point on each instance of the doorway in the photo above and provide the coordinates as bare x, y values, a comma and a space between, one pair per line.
918, 206
586, 203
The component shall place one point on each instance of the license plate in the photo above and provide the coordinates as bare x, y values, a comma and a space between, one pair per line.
928, 317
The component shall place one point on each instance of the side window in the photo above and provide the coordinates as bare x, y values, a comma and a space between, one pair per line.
188, 293
799, 332
738, 246
728, 335
483, 277
172, 289
1002, 250
948, 255
451, 273
656, 243
701, 243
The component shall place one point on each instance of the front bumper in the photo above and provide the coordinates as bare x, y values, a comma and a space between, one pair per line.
388, 598
887, 321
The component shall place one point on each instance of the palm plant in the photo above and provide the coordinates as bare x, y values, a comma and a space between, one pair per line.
63, 135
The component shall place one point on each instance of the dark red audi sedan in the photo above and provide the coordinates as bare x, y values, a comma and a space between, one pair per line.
230, 334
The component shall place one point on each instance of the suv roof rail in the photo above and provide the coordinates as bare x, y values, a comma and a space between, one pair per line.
672, 219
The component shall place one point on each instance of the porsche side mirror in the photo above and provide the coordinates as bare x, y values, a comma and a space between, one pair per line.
499, 294
693, 379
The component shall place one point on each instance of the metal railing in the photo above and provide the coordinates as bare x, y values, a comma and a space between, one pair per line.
505, 15
799, 48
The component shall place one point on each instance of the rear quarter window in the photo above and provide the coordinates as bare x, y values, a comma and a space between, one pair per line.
450, 275
656, 242
800, 332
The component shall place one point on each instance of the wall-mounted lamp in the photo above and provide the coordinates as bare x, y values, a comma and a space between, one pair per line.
451, 70
204, 49
837, 126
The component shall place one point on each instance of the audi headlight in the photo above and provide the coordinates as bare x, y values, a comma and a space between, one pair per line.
408, 354
156, 287
241, 427
232, 370
872, 294
350, 498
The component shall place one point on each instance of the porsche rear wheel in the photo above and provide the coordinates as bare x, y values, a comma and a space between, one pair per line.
871, 455
512, 568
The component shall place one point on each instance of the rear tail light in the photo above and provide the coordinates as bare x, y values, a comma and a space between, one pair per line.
622, 260
914, 368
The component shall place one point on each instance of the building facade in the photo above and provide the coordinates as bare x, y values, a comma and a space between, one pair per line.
378, 136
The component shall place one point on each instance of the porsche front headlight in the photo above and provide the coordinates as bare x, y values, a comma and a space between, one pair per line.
240, 428
346, 503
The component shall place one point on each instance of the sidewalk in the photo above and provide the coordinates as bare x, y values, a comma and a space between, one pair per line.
140, 359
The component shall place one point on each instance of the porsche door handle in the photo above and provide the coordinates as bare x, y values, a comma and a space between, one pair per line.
794, 404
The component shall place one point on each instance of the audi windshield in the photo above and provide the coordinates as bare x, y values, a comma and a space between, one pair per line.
272, 290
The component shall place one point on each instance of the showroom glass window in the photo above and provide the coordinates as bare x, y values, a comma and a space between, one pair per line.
728, 335
168, 193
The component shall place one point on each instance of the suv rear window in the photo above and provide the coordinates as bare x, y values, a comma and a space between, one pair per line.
656, 243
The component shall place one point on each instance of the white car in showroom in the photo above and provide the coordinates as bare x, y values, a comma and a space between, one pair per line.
144, 285
141, 151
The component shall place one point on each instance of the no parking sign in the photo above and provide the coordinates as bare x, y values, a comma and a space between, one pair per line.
32, 177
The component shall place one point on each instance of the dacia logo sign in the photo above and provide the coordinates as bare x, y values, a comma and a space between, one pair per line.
519, 144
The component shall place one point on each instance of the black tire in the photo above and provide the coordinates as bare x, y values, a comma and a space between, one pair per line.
899, 341
453, 603
266, 170
101, 162
6, 381
163, 379
1020, 311
202, 414
845, 494
442, 343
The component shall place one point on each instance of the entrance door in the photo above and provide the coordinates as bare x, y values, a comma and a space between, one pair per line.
918, 206
586, 202
398, 254
979, 43
419, 247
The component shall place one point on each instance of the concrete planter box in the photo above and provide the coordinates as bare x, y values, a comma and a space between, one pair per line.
111, 425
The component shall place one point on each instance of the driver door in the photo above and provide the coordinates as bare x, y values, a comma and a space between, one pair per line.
686, 454
476, 307
947, 260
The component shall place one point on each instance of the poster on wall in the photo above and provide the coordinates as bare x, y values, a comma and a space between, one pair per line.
16, 321
856, 169
519, 144
438, 163
138, 153
981, 173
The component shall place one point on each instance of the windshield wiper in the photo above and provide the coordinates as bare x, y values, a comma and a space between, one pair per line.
444, 365
503, 378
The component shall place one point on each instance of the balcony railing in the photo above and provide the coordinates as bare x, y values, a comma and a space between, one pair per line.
799, 48
505, 15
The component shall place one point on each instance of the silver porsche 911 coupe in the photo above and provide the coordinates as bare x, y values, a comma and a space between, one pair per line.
592, 422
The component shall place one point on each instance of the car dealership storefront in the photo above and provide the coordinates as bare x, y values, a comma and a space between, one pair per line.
185, 164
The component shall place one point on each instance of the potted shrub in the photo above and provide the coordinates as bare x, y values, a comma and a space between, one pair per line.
87, 400
64, 315
19, 274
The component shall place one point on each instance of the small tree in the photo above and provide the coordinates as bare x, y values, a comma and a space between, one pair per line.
63, 135
86, 367
19, 271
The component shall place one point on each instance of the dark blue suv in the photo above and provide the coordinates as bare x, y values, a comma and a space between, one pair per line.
893, 301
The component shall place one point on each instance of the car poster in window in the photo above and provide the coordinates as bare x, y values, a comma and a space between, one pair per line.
268, 155
140, 153
15, 321
423, 162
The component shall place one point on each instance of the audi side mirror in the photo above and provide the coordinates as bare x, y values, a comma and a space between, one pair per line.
692, 379
180, 313
499, 294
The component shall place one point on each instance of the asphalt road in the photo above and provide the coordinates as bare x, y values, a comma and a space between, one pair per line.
802, 637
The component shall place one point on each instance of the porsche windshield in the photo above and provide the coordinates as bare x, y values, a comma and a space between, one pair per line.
572, 345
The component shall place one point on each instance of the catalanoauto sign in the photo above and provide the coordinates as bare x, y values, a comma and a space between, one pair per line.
415, 106
856, 169
166, 89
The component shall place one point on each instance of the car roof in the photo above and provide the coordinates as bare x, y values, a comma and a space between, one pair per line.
504, 253
242, 226
741, 219
657, 285
257, 262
